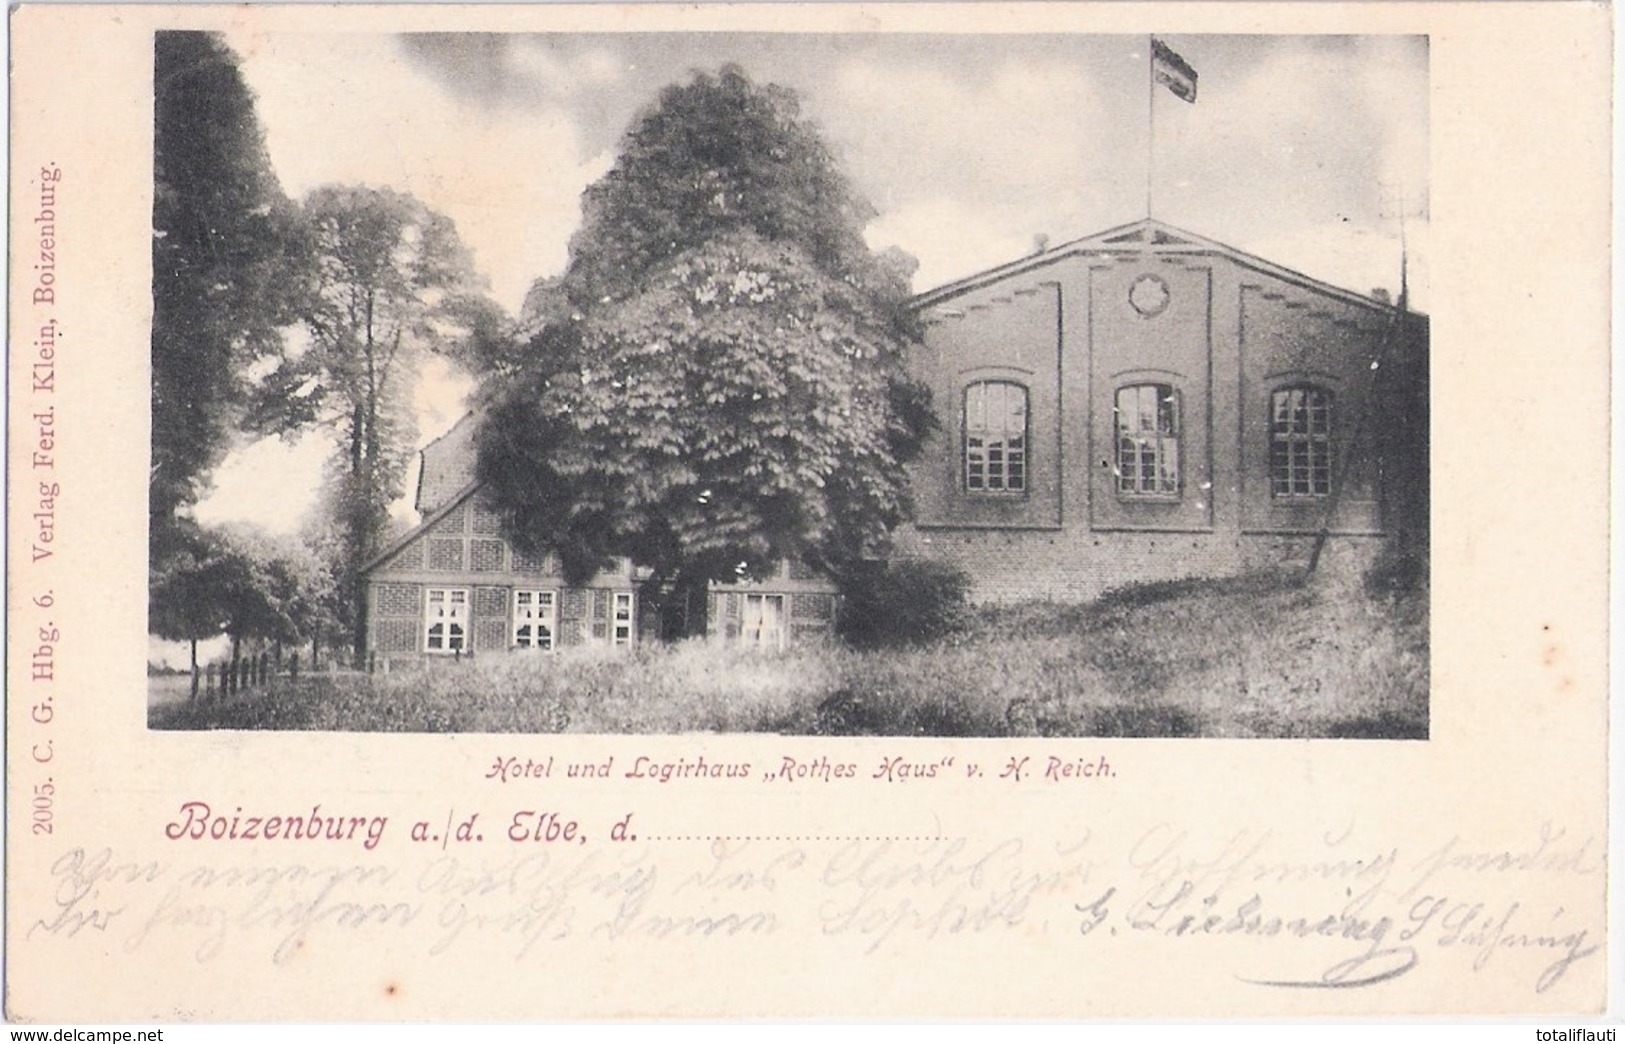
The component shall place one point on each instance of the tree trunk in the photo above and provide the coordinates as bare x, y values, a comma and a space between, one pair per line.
193, 696
359, 614
357, 423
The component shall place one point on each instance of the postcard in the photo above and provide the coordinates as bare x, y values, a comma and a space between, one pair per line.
1044, 511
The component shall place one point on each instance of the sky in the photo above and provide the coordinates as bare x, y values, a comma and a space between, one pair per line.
1303, 150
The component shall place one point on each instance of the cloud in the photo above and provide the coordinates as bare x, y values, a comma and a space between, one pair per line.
345, 109
951, 238
512, 70
1391, 82
922, 129
969, 156
1306, 131
557, 72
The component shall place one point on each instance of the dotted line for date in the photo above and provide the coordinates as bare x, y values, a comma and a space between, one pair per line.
785, 837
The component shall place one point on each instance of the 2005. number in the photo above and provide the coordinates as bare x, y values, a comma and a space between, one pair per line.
43, 794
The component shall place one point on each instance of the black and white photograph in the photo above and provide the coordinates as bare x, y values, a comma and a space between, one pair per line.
790, 513
941, 385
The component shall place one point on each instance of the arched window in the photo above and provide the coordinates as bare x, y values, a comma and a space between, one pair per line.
1147, 440
1301, 442
995, 437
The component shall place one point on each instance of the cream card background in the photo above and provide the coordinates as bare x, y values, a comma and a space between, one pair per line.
1503, 807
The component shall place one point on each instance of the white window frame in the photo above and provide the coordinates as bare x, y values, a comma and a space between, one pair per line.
535, 608
457, 602
1149, 458
752, 623
995, 450
622, 618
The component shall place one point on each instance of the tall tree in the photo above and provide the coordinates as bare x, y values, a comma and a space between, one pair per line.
238, 581
718, 380
184, 601
393, 282
227, 269
272, 588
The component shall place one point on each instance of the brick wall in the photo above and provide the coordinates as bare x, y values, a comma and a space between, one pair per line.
807, 615
1226, 337
1013, 566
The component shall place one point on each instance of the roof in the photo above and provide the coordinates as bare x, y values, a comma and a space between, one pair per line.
442, 461
1145, 235
418, 530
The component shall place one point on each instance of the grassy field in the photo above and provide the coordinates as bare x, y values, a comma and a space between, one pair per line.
1265, 655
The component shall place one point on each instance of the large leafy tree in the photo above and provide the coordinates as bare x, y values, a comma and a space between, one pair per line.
272, 588
238, 581
717, 381
228, 270
392, 282
185, 599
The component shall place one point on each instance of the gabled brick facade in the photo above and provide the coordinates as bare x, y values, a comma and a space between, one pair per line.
1189, 411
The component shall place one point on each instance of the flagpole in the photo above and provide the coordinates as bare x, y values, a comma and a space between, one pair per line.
1150, 118
1404, 261
1166, 68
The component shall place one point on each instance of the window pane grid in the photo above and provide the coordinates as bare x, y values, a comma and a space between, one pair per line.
1300, 442
996, 437
534, 619
623, 618
445, 620
1147, 440
764, 621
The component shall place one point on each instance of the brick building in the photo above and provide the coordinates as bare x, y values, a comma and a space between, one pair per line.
1144, 404
1138, 405
453, 586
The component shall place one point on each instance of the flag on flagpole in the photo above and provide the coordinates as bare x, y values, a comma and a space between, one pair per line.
1172, 71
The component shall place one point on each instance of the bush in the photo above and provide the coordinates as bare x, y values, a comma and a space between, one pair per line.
903, 603
1397, 571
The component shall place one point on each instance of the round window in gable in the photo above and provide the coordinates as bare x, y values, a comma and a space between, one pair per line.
1149, 295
